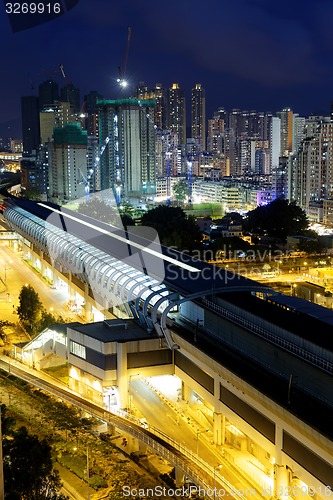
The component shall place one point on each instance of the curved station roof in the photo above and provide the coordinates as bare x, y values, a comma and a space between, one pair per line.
129, 268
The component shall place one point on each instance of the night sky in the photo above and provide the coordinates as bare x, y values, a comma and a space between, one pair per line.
248, 54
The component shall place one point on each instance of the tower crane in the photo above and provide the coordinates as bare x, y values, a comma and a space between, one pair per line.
92, 170
122, 69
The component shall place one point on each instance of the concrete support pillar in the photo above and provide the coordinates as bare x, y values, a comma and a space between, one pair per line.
110, 428
281, 473
278, 444
142, 449
122, 378
180, 476
217, 428
281, 482
44, 268
223, 430
87, 306
71, 293
88, 311
186, 392
244, 445
54, 276
106, 306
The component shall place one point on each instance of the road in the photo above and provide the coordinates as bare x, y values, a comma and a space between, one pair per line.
158, 415
165, 418
14, 274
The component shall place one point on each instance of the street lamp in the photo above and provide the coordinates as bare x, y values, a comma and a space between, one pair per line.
200, 432
88, 492
6, 269
87, 455
218, 466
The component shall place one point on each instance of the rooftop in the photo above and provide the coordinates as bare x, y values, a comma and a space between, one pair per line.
114, 330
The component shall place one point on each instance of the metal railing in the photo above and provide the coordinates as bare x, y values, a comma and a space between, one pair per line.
301, 353
178, 455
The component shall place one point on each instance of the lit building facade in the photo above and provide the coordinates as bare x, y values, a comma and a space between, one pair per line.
54, 116
275, 142
287, 130
198, 108
176, 112
128, 164
67, 163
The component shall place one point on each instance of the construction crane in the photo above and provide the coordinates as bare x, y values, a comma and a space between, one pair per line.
92, 170
62, 71
122, 69
189, 177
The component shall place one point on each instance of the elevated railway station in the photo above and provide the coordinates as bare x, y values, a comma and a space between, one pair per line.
260, 364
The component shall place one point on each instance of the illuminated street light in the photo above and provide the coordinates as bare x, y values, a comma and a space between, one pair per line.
87, 455
218, 466
88, 493
200, 432
6, 269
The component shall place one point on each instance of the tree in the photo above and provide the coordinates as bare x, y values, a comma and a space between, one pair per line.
113, 215
99, 210
279, 219
7, 422
27, 464
47, 319
173, 227
28, 468
180, 191
30, 307
3, 324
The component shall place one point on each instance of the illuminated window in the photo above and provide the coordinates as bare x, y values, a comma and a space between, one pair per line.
78, 349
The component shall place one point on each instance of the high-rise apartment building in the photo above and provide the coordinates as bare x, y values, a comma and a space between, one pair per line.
215, 137
89, 113
287, 130
54, 116
128, 164
298, 131
248, 152
30, 124
67, 163
275, 142
48, 93
157, 93
314, 170
230, 153
198, 115
90, 102
176, 112
71, 94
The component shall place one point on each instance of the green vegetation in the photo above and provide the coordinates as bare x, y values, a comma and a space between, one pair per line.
278, 219
214, 210
30, 307
27, 464
33, 316
3, 325
180, 191
76, 462
113, 215
174, 228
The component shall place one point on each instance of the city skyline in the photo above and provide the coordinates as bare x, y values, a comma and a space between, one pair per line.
247, 55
